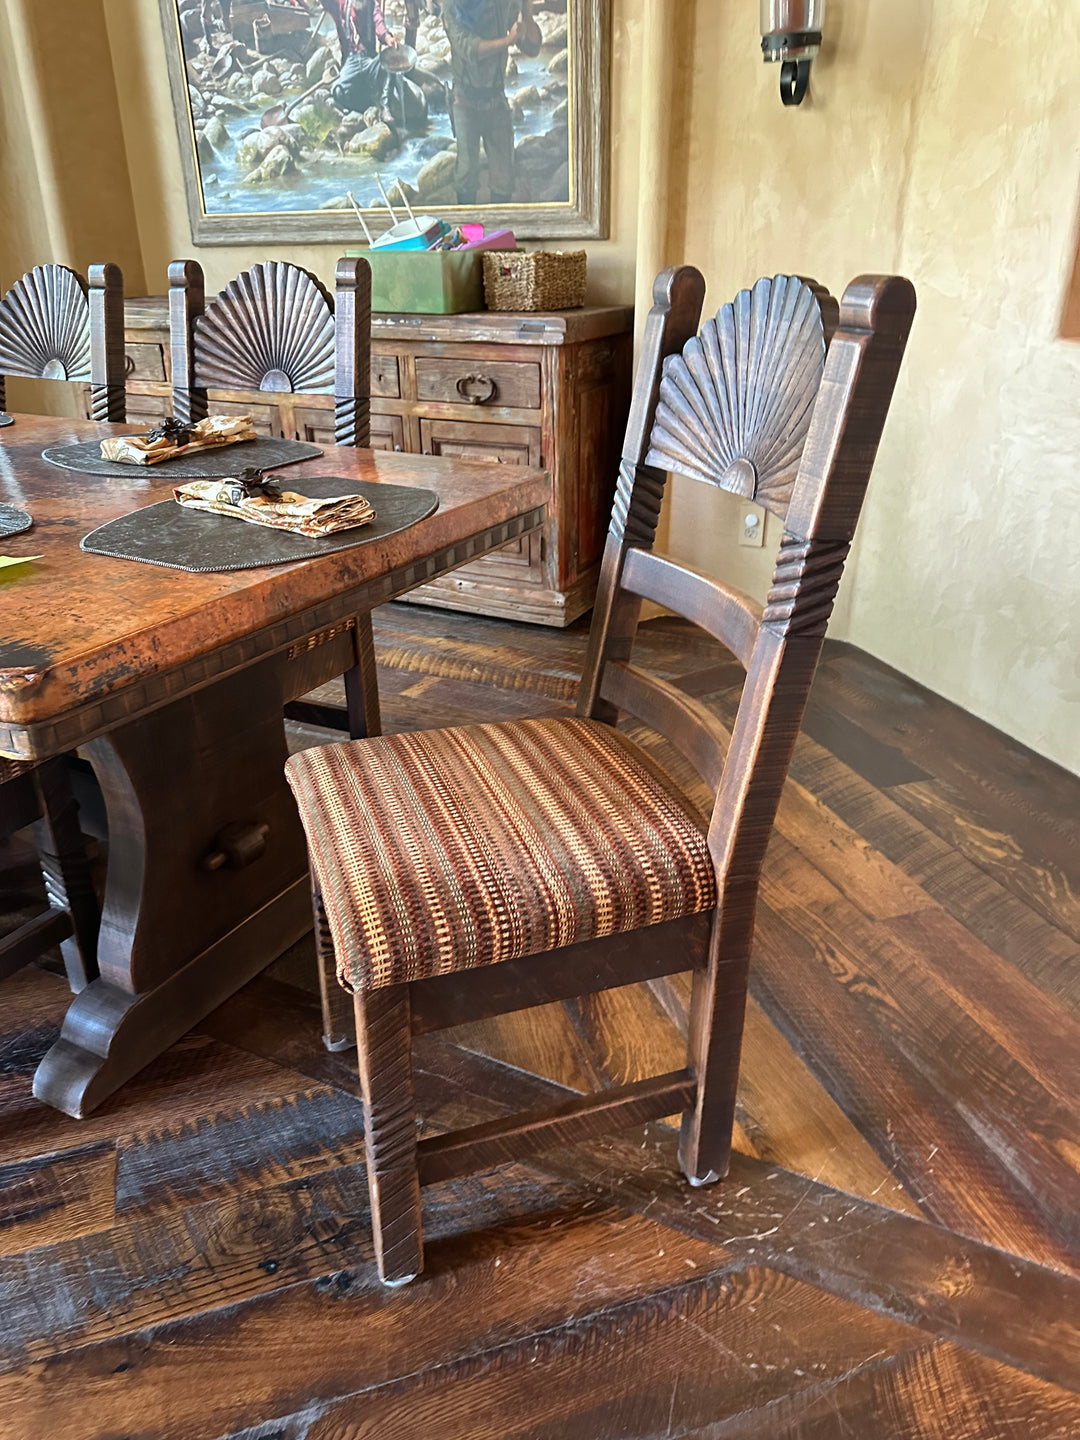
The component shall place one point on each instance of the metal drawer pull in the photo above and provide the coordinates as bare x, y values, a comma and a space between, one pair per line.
477, 398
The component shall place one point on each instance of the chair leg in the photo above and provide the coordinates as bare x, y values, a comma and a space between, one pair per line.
337, 1008
717, 1010
385, 1047
362, 685
66, 868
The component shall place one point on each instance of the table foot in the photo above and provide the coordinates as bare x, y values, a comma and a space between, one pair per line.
109, 1034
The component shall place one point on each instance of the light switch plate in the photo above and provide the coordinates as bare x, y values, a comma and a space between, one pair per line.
751, 524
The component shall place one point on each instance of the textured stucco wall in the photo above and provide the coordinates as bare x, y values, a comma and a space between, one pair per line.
968, 573
940, 140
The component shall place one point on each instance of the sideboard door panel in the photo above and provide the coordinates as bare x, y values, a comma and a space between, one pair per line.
522, 561
469, 440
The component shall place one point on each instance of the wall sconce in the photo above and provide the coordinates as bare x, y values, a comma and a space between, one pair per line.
791, 33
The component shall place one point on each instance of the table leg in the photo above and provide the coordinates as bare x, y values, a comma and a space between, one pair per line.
207, 879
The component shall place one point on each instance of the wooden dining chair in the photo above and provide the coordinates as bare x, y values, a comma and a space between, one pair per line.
56, 325
462, 873
276, 328
40, 796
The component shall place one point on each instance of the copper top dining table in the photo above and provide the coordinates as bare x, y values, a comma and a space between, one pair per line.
171, 684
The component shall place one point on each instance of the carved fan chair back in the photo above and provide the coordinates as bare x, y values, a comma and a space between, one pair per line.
277, 328
557, 847
274, 328
54, 325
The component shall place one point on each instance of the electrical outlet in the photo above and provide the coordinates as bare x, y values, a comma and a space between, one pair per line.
751, 524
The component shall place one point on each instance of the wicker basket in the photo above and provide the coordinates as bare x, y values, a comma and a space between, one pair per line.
534, 280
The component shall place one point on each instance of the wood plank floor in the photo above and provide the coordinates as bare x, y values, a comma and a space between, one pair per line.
895, 1254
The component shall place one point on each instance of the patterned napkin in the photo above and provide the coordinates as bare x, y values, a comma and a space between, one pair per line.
171, 439
250, 496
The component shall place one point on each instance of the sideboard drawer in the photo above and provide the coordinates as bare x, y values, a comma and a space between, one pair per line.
387, 432
147, 407
461, 440
510, 384
144, 362
315, 424
263, 417
385, 376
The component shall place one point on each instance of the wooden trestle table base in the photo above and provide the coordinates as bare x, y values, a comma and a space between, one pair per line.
172, 685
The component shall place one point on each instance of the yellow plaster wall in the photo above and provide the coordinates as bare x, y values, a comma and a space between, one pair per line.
938, 141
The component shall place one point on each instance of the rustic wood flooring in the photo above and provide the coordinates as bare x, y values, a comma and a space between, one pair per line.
894, 1256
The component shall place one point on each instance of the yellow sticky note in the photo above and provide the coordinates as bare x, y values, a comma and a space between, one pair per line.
6, 561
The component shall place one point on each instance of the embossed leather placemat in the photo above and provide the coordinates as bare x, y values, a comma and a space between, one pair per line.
14, 521
168, 534
266, 452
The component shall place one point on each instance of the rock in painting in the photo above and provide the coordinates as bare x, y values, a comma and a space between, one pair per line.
378, 141
316, 66
437, 173
266, 82
216, 132
279, 162
257, 144
553, 28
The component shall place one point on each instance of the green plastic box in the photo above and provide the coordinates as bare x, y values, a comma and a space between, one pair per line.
420, 282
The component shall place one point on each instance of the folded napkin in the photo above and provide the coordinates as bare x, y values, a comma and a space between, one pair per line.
171, 439
250, 496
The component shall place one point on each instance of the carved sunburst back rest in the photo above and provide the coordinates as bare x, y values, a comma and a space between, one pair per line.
45, 326
272, 328
734, 407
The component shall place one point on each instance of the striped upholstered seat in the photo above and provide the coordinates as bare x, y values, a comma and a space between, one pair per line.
451, 849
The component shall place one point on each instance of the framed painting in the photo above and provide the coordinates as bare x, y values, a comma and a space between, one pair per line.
294, 114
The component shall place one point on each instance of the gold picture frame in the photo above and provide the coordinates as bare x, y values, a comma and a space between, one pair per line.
247, 73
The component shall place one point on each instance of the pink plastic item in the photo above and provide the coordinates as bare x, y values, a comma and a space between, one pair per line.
497, 240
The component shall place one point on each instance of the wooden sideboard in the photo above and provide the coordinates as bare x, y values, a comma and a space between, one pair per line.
550, 390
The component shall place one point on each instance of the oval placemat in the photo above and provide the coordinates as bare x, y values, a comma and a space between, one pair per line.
14, 521
170, 535
266, 452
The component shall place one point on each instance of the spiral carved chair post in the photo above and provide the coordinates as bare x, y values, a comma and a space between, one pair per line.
55, 326
753, 404
108, 362
187, 300
352, 363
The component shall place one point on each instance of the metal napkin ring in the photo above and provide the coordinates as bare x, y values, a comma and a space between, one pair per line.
249, 483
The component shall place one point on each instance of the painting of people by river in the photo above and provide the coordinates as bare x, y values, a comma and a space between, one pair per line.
293, 113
